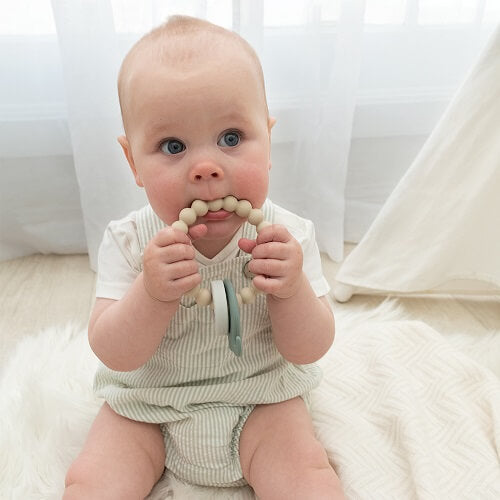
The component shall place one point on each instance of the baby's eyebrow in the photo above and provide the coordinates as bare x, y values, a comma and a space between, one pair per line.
225, 119
234, 117
156, 127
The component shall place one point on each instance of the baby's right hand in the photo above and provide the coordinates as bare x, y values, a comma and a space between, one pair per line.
169, 267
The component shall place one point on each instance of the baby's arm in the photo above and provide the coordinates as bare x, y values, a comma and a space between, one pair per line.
303, 324
125, 333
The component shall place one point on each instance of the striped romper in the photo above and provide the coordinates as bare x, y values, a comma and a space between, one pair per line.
195, 387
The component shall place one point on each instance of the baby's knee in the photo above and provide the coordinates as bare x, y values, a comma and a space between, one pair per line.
320, 484
312, 455
90, 477
78, 480
315, 476
85, 480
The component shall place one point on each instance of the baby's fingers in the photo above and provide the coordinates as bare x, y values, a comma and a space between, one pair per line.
176, 288
275, 232
267, 284
268, 267
197, 231
176, 253
169, 236
180, 269
247, 245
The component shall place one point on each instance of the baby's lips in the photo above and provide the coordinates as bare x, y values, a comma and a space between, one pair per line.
217, 215
229, 204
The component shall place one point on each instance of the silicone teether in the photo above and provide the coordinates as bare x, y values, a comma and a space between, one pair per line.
221, 308
234, 319
243, 208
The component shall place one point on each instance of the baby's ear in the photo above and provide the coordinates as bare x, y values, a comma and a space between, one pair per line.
270, 123
123, 141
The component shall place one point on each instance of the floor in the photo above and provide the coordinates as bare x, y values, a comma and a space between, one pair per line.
41, 291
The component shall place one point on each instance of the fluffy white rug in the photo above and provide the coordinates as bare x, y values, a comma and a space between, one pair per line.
401, 412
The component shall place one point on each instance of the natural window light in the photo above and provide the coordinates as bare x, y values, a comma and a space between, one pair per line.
28, 17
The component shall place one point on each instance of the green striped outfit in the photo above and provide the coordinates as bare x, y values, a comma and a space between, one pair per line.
195, 387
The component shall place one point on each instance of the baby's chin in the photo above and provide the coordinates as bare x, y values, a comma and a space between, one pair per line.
210, 237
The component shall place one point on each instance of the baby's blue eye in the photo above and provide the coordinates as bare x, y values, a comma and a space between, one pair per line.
229, 139
172, 147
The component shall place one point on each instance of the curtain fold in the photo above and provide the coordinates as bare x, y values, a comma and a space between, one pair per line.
439, 230
324, 139
90, 60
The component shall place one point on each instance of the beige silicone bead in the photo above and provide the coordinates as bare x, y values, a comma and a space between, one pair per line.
238, 298
230, 203
204, 297
262, 225
215, 205
188, 215
181, 225
243, 208
255, 216
247, 295
200, 207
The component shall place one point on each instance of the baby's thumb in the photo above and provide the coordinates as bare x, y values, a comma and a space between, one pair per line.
247, 245
197, 231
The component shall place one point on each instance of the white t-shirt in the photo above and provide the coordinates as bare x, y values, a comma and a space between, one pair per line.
120, 257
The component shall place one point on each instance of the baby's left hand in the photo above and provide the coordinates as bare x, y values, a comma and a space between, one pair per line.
276, 260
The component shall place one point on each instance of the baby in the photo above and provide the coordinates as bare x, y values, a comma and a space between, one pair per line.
197, 127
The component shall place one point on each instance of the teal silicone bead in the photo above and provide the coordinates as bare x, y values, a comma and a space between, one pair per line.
234, 319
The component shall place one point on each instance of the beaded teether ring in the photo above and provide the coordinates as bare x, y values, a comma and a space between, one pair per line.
222, 297
199, 208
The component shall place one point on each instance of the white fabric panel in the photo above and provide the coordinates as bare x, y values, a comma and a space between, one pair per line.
315, 180
440, 228
39, 196
90, 63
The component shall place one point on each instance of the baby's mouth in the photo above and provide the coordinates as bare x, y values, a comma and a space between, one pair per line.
218, 209
217, 215
224, 206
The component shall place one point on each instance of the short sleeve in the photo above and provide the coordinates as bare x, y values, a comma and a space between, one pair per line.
119, 259
303, 231
312, 262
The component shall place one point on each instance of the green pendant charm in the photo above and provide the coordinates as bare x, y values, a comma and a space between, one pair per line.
234, 319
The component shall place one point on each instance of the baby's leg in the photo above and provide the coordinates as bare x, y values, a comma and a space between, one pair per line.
121, 459
281, 458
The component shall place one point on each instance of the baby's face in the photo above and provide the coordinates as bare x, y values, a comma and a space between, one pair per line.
200, 132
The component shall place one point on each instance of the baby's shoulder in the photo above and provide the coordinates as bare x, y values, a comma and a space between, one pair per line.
131, 221
125, 226
300, 228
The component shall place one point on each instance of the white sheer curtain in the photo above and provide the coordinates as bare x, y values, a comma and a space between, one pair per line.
356, 86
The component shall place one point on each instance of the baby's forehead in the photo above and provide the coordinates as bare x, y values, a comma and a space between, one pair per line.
189, 49
188, 52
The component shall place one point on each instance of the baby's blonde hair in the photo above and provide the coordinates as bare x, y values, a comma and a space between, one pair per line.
167, 44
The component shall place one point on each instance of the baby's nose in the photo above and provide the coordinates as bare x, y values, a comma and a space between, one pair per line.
205, 171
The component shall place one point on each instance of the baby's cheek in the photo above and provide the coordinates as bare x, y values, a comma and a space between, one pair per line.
164, 201
255, 184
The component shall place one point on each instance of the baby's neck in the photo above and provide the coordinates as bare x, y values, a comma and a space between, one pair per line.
210, 248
